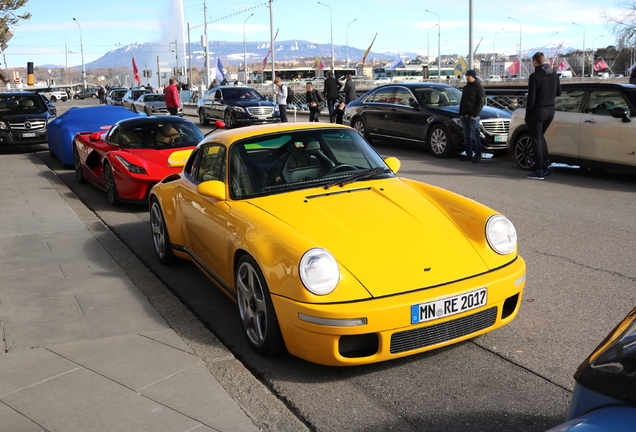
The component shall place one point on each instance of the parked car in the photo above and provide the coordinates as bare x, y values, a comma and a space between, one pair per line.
115, 95
592, 127
152, 104
423, 113
381, 81
51, 94
88, 93
62, 130
271, 214
237, 106
131, 96
604, 397
133, 155
23, 118
493, 78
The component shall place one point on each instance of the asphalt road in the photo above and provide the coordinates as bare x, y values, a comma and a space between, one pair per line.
577, 233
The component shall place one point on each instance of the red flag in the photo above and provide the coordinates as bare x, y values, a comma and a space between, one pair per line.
270, 50
563, 66
600, 65
514, 67
136, 71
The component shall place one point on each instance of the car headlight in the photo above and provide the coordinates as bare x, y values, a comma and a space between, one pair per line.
238, 109
457, 121
135, 169
3, 126
501, 234
319, 271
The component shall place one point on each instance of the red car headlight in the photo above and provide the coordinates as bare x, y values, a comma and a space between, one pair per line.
135, 169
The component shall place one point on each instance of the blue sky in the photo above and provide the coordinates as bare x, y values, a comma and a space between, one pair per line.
402, 25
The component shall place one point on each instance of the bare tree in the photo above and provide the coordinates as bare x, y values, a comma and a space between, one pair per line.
623, 26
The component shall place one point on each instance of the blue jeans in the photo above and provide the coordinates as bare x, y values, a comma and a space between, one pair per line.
472, 140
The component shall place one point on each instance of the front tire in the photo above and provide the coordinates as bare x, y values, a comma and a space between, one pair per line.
160, 237
439, 142
202, 119
111, 187
229, 120
77, 164
256, 309
361, 127
76, 97
524, 153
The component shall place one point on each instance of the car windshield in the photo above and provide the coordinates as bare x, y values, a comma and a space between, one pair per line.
303, 159
156, 134
244, 94
153, 98
438, 96
22, 104
117, 93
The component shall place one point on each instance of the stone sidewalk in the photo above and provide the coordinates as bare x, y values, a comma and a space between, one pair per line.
84, 348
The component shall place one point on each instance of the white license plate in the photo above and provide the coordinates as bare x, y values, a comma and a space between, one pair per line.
448, 306
28, 134
262, 117
500, 138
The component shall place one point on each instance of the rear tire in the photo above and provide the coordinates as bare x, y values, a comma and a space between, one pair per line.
202, 119
77, 164
111, 187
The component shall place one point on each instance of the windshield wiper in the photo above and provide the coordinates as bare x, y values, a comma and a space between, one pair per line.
359, 176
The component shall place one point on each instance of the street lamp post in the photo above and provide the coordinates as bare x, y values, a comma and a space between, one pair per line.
82, 51
439, 55
583, 64
592, 65
494, 54
347, 40
245, 51
428, 34
519, 58
331, 26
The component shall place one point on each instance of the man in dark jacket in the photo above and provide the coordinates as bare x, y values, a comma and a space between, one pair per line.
543, 87
332, 92
349, 90
473, 99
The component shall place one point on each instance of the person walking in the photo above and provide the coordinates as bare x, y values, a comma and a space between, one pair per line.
281, 98
543, 87
470, 106
101, 95
171, 96
331, 93
314, 102
349, 90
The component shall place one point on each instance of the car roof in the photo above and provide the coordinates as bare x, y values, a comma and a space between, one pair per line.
132, 122
598, 85
415, 85
18, 93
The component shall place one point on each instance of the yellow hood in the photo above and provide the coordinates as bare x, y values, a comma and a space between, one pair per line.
388, 235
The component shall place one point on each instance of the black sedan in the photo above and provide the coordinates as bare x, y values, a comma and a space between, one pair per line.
237, 106
424, 113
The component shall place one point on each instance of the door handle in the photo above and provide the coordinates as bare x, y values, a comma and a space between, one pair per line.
590, 121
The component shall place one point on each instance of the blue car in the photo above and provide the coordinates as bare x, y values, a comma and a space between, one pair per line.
604, 397
63, 129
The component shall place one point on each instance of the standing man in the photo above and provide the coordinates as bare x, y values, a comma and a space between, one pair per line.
281, 98
314, 102
171, 96
543, 87
332, 89
350, 90
473, 99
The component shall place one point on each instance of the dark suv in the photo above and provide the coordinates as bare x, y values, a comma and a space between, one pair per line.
23, 118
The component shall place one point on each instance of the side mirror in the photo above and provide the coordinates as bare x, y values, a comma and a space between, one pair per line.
213, 189
218, 124
393, 163
95, 136
413, 104
179, 158
621, 113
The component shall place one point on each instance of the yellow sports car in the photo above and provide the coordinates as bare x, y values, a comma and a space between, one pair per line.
327, 252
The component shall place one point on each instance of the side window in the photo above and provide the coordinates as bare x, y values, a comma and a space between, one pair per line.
602, 101
218, 95
383, 95
113, 136
569, 101
212, 164
403, 97
193, 162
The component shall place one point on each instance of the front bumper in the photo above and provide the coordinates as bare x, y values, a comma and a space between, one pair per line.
388, 332
8, 138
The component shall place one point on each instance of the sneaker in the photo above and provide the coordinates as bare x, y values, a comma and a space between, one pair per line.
535, 176
466, 158
548, 171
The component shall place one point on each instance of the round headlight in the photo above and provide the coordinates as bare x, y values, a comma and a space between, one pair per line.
501, 234
319, 271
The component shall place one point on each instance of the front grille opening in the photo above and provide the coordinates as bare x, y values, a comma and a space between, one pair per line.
509, 306
354, 346
422, 337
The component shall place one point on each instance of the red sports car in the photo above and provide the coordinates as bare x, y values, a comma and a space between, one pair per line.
133, 155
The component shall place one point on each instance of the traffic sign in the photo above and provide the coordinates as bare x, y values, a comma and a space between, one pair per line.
17, 80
